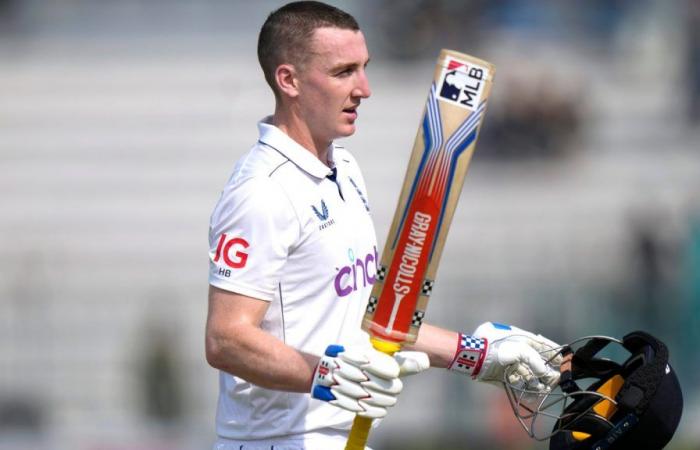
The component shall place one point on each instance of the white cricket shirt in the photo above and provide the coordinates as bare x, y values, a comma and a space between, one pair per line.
284, 232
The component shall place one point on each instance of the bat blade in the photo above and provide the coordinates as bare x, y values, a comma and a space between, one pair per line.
434, 178
441, 154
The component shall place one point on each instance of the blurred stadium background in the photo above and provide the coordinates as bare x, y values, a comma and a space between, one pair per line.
120, 122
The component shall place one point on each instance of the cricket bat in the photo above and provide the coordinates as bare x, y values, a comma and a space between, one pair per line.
441, 153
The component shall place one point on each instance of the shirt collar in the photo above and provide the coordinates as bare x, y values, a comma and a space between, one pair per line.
303, 158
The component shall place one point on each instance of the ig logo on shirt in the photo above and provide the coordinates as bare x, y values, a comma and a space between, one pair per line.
231, 251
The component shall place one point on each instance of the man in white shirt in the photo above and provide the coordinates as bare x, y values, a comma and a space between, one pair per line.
293, 257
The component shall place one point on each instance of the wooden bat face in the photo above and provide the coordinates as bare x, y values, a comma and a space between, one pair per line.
434, 179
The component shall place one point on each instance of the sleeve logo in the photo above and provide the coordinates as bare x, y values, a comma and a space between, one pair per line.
231, 251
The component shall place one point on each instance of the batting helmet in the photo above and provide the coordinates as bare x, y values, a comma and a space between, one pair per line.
630, 402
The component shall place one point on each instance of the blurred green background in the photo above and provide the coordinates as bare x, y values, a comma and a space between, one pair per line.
121, 120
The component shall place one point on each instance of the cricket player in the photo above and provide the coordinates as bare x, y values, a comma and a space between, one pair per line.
293, 256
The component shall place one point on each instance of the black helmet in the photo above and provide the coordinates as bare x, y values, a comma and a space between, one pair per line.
633, 404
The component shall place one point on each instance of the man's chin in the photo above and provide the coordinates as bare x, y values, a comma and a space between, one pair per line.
346, 130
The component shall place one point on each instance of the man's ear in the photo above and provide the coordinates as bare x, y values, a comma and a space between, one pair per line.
287, 81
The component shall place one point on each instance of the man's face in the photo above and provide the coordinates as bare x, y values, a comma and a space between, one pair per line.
333, 82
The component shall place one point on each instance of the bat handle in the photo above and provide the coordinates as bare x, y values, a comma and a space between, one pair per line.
359, 433
361, 425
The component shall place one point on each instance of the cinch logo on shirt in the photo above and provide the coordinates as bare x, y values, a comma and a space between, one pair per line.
358, 271
230, 250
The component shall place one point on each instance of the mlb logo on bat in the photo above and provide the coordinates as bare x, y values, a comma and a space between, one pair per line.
462, 83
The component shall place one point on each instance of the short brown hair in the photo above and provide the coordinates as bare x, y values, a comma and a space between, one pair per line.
285, 35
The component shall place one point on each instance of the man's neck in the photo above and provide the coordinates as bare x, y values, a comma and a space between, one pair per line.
299, 131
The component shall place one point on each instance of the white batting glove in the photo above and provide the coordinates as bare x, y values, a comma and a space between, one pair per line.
496, 349
364, 381
411, 363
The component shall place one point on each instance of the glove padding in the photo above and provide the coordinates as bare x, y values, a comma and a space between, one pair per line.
530, 360
364, 381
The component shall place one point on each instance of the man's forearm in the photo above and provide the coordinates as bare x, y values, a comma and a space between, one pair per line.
438, 343
260, 358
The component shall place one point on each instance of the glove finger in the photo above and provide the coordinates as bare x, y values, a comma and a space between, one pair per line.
393, 386
551, 378
544, 345
371, 411
411, 363
521, 377
354, 356
524, 372
372, 361
349, 388
518, 374
510, 353
349, 371
529, 356
377, 398
534, 384
381, 365
346, 402
548, 349
548, 343
516, 381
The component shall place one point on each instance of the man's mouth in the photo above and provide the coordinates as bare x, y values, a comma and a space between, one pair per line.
351, 111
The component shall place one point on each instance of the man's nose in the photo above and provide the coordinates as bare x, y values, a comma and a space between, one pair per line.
362, 88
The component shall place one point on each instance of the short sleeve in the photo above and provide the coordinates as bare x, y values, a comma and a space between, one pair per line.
252, 228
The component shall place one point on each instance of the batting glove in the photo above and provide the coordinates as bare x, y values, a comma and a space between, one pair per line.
495, 349
364, 381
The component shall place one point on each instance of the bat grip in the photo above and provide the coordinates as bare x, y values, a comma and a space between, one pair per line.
361, 425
